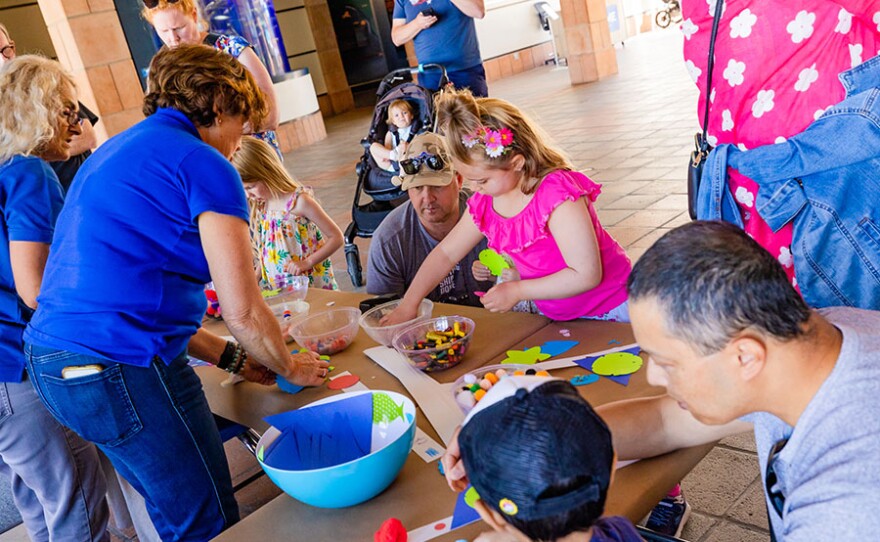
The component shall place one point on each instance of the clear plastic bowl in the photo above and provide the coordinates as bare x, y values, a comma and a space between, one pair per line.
287, 312
285, 287
462, 389
385, 334
412, 342
326, 332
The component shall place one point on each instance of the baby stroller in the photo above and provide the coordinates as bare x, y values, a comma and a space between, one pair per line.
375, 181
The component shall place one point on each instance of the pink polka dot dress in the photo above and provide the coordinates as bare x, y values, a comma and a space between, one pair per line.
776, 68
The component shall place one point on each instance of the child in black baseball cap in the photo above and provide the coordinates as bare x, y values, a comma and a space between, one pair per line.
541, 460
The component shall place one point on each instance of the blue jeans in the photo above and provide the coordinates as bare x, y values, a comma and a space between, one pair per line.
473, 78
56, 477
155, 426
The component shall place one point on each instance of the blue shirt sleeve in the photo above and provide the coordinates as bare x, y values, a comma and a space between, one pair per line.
32, 202
211, 183
399, 12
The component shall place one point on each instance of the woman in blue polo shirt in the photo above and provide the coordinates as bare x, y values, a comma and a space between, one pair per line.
56, 479
156, 212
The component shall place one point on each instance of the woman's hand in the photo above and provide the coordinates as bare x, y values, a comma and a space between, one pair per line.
307, 369
502, 297
480, 271
453, 467
254, 372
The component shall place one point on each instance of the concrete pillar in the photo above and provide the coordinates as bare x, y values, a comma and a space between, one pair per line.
591, 54
90, 43
339, 97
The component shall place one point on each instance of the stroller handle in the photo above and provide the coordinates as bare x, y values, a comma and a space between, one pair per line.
402, 73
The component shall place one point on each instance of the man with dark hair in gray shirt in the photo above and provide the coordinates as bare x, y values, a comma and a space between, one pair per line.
406, 236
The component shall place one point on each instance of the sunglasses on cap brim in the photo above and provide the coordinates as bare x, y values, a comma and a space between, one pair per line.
151, 4
412, 166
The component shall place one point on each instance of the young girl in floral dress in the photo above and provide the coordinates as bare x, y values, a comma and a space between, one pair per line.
290, 231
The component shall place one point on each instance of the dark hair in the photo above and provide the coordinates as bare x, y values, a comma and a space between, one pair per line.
713, 281
576, 519
197, 80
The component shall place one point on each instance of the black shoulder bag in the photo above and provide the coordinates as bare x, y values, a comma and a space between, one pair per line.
702, 147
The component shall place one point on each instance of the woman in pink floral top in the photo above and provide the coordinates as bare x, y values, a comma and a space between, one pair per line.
776, 67
530, 206
290, 231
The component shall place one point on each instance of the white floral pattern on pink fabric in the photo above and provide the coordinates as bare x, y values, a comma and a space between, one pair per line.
776, 68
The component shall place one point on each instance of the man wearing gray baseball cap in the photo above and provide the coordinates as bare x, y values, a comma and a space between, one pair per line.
406, 236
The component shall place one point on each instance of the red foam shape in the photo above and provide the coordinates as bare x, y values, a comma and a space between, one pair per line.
342, 382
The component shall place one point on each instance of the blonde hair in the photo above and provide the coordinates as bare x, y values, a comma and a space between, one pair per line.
184, 6
460, 114
30, 104
5, 32
200, 81
400, 104
257, 161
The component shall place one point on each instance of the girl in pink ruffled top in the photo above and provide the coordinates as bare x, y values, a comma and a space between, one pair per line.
531, 206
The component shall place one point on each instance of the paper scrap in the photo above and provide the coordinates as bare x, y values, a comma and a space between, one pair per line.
557, 348
617, 364
426, 447
587, 363
494, 261
465, 513
583, 380
341, 382
529, 356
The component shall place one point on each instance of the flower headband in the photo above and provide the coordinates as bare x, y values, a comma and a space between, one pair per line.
496, 142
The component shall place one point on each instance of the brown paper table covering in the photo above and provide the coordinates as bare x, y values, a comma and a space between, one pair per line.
419, 496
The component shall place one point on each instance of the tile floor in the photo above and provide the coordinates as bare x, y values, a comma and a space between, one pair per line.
632, 132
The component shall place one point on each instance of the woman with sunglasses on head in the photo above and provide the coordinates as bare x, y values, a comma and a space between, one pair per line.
154, 214
56, 478
178, 22
290, 231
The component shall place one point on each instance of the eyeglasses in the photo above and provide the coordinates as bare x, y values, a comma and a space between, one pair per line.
151, 4
413, 166
71, 116
8, 51
777, 498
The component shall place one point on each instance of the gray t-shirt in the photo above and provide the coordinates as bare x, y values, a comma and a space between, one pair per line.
829, 471
400, 244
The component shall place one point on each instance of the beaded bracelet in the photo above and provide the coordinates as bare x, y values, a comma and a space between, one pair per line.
227, 357
233, 358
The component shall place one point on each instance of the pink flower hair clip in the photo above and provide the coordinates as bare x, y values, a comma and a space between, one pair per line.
496, 142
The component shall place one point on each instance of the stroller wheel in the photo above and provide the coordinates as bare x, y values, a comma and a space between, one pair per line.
353, 260
662, 18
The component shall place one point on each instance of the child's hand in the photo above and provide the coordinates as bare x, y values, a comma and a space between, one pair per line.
509, 274
480, 271
399, 315
495, 536
502, 297
453, 467
300, 267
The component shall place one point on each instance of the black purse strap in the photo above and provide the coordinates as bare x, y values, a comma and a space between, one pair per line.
719, 7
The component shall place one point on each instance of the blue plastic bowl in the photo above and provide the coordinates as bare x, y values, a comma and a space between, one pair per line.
358, 480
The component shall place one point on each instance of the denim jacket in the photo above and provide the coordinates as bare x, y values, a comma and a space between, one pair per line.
827, 180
